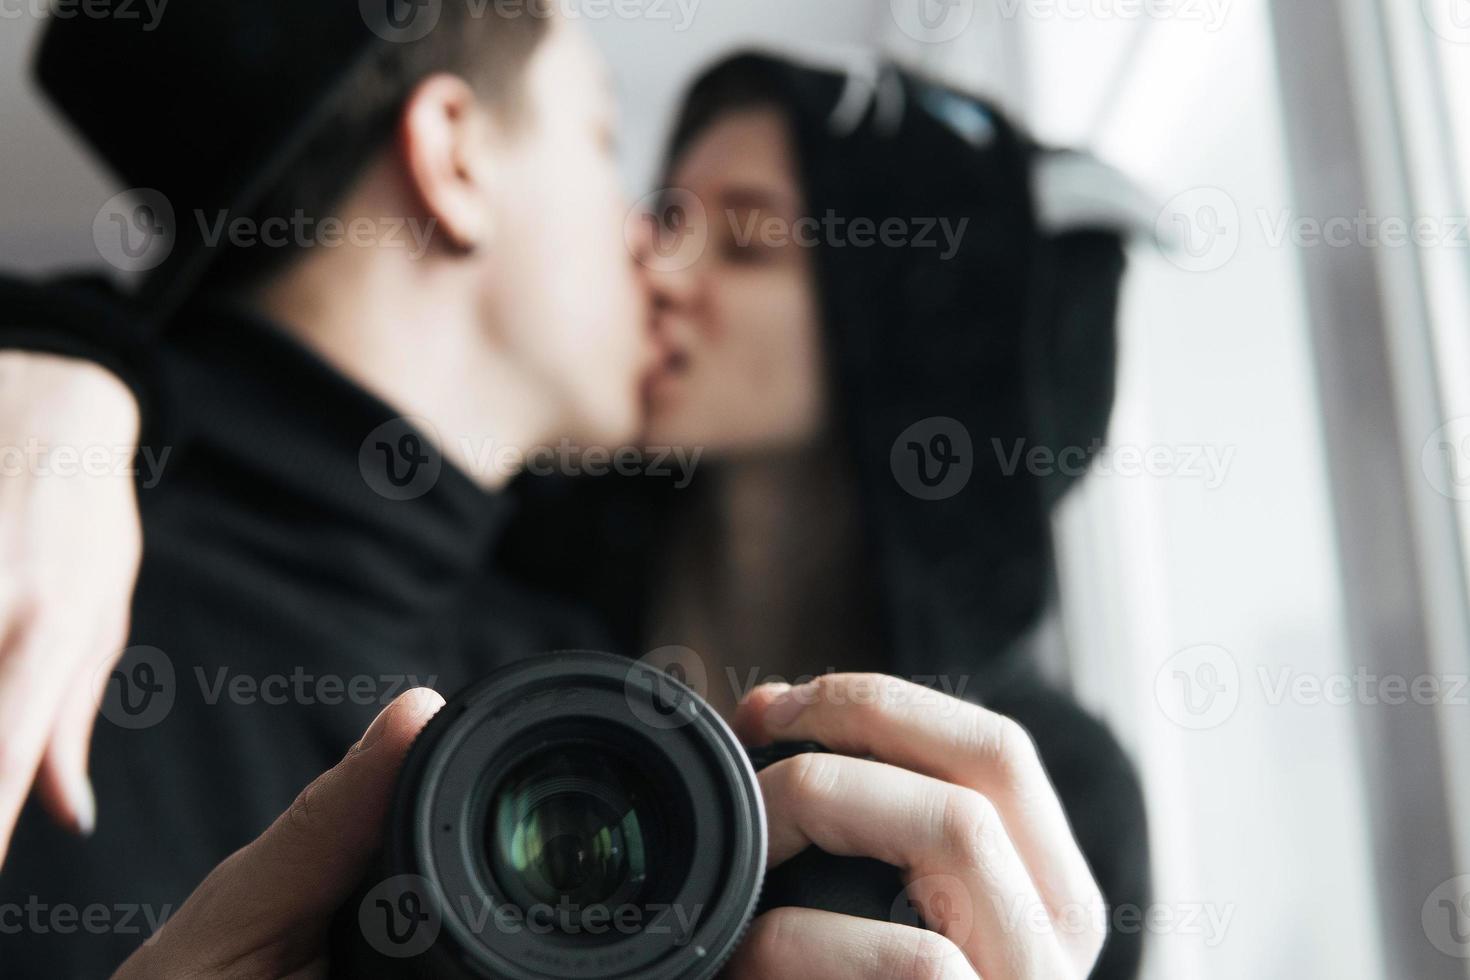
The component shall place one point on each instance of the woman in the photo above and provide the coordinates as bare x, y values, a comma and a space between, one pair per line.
827, 382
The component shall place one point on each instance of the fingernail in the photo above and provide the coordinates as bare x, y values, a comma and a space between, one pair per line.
787, 705
84, 805
415, 702
777, 689
374, 733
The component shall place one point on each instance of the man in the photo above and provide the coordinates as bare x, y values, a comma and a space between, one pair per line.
320, 536
317, 542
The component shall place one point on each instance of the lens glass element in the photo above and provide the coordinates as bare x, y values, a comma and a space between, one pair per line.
572, 827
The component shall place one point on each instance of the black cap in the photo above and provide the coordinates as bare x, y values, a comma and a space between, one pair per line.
202, 103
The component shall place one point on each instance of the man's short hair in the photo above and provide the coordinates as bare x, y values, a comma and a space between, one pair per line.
488, 46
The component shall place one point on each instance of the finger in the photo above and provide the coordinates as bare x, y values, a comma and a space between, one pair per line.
941, 736
805, 944
749, 722
942, 836
314, 855
29, 696
318, 848
63, 783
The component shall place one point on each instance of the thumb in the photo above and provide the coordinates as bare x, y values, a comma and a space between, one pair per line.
276, 895
317, 851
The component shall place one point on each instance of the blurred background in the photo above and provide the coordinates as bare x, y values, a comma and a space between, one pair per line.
1262, 585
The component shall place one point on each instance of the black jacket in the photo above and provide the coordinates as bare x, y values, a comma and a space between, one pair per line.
283, 599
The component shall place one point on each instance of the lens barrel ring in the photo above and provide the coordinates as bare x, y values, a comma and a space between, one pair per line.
441, 802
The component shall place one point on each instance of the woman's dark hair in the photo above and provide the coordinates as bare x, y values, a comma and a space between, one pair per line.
739, 84
911, 335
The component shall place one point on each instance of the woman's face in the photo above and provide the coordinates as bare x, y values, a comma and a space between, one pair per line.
736, 314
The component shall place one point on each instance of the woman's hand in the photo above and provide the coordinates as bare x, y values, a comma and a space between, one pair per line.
954, 796
70, 543
266, 910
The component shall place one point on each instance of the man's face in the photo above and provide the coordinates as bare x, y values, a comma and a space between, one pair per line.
564, 297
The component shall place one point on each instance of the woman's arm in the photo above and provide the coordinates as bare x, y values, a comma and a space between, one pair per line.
69, 550
74, 368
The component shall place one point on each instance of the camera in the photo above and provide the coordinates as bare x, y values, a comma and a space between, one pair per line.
581, 815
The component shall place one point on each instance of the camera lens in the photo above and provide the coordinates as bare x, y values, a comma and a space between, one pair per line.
574, 816
568, 828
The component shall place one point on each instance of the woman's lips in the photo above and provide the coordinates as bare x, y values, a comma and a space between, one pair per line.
670, 368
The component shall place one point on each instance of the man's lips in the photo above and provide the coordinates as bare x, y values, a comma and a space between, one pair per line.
668, 368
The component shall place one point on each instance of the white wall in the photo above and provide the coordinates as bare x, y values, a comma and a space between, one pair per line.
51, 192
1257, 806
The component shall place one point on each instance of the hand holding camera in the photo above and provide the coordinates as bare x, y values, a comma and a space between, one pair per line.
952, 795
579, 815
265, 910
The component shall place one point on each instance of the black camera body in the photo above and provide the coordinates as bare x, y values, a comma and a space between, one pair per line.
581, 815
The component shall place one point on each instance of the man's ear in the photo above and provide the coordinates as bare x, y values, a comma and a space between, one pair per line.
447, 148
